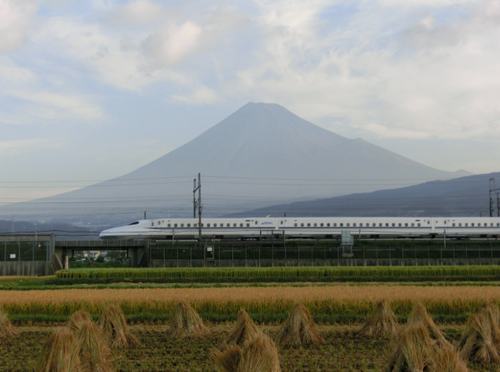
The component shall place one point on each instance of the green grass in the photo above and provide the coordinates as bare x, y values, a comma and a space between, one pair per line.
329, 273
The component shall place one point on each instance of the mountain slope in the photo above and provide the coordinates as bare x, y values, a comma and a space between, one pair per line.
465, 196
260, 155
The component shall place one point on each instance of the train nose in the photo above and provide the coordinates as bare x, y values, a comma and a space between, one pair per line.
108, 234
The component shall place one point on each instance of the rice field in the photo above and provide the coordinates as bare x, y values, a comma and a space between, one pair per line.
322, 301
345, 350
394, 272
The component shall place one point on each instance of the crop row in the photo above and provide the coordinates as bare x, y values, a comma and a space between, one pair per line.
322, 301
285, 272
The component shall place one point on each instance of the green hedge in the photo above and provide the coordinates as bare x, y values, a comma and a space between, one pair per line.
397, 272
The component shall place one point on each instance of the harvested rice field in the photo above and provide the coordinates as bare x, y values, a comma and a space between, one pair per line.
344, 350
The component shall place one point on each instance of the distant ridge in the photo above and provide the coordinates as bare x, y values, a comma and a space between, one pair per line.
260, 155
466, 196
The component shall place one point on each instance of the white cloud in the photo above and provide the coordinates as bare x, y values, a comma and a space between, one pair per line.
11, 149
172, 43
16, 20
200, 96
73, 105
135, 13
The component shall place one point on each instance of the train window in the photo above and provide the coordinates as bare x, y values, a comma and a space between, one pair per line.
208, 225
491, 224
374, 224
498, 224
419, 224
445, 222
472, 224
152, 223
406, 225
257, 222
361, 225
460, 224
158, 223
393, 224
412, 224
380, 224
348, 224
334, 225
182, 225
453, 224
321, 224
195, 225
315, 225
281, 222
241, 225
399, 224
188, 225
354, 224
202, 224
248, 225
301, 225
228, 225
428, 222
308, 225
168, 225
175, 225
485, 224
295, 224
341, 224
234, 225
466, 224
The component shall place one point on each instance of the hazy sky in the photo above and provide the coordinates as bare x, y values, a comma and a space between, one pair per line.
90, 90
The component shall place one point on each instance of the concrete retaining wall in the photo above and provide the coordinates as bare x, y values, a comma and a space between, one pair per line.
30, 268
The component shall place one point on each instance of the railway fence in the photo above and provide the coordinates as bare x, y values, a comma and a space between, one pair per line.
322, 253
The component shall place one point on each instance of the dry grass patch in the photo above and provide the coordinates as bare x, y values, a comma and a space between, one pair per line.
243, 329
186, 323
299, 328
114, 325
382, 322
258, 354
60, 353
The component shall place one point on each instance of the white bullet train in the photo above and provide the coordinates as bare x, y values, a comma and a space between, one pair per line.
308, 227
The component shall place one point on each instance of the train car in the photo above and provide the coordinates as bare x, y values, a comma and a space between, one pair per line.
308, 227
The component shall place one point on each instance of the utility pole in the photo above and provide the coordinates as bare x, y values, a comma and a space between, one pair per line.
492, 205
194, 198
144, 214
498, 205
198, 188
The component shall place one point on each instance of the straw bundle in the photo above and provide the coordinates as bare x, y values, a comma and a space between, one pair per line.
382, 322
114, 326
481, 339
60, 353
258, 354
448, 360
299, 328
185, 323
243, 329
6, 327
420, 316
95, 353
413, 351
77, 319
